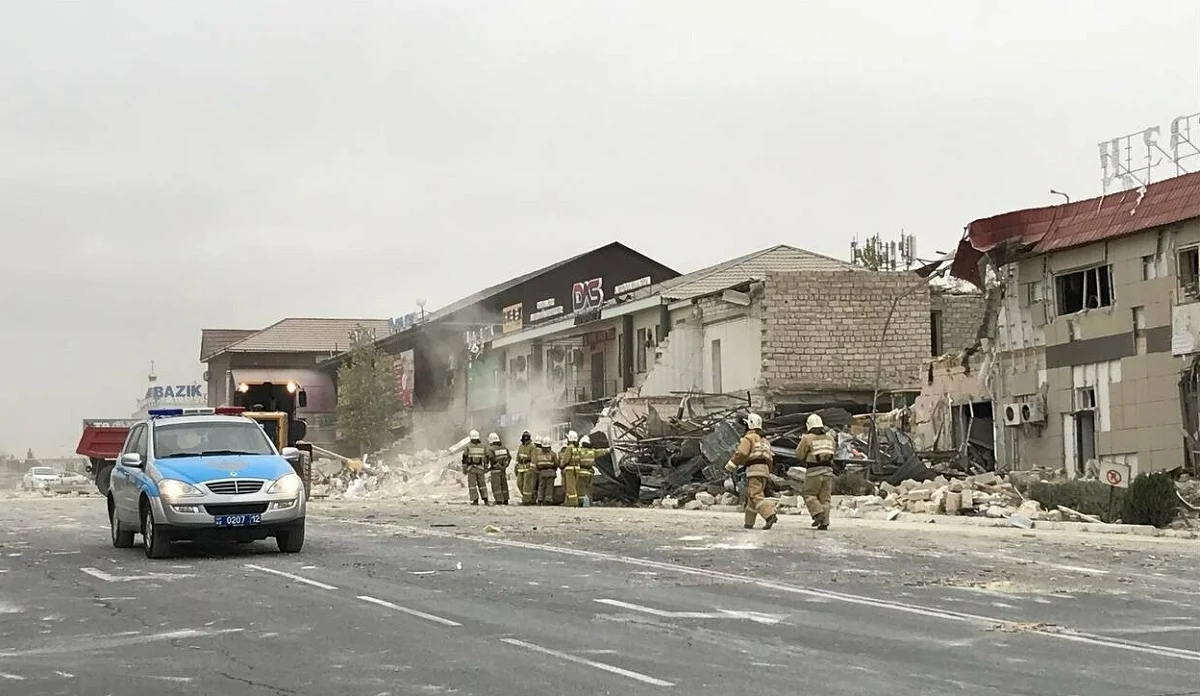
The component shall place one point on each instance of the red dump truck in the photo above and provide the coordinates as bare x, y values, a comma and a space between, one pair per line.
101, 442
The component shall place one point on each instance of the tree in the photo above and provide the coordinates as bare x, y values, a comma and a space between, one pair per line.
366, 394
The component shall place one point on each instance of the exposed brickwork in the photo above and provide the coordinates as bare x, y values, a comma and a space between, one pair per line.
823, 331
961, 317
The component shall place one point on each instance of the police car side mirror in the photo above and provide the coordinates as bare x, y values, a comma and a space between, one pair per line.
291, 454
133, 460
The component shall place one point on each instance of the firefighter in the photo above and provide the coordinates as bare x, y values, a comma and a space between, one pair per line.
498, 458
545, 463
568, 458
754, 454
474, 464
587, 469
526, 477
817, 449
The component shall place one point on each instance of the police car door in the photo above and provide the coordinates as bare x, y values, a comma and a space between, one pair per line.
123, 484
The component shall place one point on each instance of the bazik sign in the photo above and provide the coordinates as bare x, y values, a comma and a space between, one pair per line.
176, 391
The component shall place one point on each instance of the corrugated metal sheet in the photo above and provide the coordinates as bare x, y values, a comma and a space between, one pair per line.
746, 268
213, 340
306, 335
1095, 219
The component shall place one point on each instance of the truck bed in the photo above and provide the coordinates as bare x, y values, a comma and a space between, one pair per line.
103, 438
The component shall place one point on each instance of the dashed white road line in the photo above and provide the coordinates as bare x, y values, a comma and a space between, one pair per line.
290, 576
612, 669
92, 643
109, 577
11, 677
406, 610
754, 616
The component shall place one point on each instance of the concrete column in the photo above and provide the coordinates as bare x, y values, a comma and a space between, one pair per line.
627, 350
664, 322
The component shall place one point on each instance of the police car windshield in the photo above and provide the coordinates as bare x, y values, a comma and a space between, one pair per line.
201, 439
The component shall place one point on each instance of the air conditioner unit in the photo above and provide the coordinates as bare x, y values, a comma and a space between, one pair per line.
1012, 414
1033, 412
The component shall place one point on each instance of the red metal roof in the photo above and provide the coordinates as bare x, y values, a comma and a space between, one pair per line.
1095, 219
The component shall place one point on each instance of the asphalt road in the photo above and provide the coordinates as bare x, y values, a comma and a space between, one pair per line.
388, 604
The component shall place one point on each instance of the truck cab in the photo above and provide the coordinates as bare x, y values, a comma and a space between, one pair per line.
274, 405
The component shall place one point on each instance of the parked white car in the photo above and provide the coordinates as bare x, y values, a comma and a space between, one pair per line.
40, 477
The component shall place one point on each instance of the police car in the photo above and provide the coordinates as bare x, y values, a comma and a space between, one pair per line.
201, 474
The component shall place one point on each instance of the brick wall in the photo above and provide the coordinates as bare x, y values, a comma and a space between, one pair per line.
823, 330
961, 316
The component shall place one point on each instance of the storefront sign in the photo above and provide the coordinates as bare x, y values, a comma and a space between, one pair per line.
595, 338
631, 286
586, 295
514, 318
546, 309
587, 316
176, 391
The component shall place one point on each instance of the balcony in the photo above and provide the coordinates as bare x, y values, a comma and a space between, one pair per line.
597, 390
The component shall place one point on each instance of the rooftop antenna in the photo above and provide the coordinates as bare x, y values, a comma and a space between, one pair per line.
152, 378
421, 304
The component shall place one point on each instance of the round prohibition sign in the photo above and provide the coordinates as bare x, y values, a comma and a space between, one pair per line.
1113, 476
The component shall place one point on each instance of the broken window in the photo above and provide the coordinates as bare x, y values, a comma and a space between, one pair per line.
935, 332
1188, 272
1085, 398
1139, 329
1090, 288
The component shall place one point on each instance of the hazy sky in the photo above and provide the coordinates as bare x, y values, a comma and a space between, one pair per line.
153, 154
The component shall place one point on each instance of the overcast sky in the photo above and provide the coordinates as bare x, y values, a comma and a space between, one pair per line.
153, 154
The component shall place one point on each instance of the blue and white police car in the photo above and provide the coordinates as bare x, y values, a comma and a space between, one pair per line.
199, 474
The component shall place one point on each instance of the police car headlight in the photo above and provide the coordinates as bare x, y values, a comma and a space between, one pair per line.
170, 489
288, 485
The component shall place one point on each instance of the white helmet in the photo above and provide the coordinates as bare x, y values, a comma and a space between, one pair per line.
753, 421
474, 434
814, 421
572, 436
586, 441
544, 441
493, 438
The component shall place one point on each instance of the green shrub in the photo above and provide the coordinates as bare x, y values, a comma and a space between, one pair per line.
1088, 497
1151, 499
852, 483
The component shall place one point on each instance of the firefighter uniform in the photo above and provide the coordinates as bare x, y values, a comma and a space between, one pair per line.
526, 476
569, 461
474, 463
498, 458
817, 449
754, 455
546, 465
587, 469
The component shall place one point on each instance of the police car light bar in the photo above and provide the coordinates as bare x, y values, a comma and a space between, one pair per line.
230, 410
166, 412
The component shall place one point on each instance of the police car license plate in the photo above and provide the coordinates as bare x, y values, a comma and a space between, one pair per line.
236, 520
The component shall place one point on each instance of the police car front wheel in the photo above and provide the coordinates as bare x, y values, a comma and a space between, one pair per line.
156, 542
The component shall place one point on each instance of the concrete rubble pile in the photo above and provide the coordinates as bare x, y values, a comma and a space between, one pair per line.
983, 495
390, 474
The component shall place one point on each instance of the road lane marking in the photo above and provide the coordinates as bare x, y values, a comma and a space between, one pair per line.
718, 614
93, 643
11, 677
406, 610
645, 679
290, 576
944, 614
109, 577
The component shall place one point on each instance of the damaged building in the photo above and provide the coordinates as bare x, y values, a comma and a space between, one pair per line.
446, 377
795, 330
1093, 354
